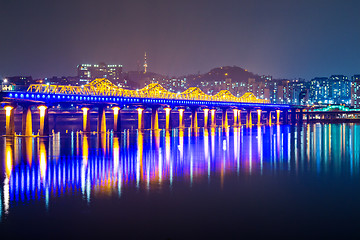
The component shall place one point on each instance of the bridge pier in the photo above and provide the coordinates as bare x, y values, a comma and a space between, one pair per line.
278, 116
293, 116
206, 117
194, 119
167, 118
307, 116
269, 117
285, 117
154, 118
213, 117
248, 118
181, 118
259, 116
300, 120
117, 119
101, 125
224, 122
10, 120
26, 124
239, 117
235, 114
44, 121
140, 118
86, 119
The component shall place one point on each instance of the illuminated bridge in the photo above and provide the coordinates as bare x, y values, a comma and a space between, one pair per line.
101, 94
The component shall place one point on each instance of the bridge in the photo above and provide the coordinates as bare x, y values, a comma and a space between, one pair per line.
101, 94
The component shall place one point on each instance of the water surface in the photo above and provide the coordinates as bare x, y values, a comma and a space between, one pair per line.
285, 181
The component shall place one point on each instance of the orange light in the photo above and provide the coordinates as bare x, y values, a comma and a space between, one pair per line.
167, 115
140, 115
259, 116
116, 110
8, 110
277, 116
181, 117
42, 110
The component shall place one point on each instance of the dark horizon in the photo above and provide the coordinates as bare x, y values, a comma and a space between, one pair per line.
285, 39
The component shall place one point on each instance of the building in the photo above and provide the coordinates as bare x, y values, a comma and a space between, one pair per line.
16, 82
333, 90
341, 89
355, 91
19, 80
176, 84
320, 90
60, 81
298, 92
278, 90
88, 72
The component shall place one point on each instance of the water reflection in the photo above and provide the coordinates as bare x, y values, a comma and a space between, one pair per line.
91, 165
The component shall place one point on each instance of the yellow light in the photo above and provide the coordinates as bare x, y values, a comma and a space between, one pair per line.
206, 117
259, 116
140, 115
140, 110
85, 110
213, 119
116, 110
9, 160
42, 159
277, 116
167, 116
8, 110
42, 110
181, 116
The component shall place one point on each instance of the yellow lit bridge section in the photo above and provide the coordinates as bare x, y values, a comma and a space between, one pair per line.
103, 87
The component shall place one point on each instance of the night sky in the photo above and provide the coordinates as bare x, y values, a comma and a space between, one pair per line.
286, 39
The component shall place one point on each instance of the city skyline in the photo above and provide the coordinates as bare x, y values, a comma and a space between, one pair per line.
285, 39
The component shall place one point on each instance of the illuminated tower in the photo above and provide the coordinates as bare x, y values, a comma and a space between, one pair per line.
145, 63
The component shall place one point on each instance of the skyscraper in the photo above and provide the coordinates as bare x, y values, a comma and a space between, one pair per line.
355, 91
333, 90
88, 72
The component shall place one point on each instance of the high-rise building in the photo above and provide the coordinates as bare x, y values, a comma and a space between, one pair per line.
298, 92
320, 90
355, 91
333, 90
88, 72
341, 89
278, 90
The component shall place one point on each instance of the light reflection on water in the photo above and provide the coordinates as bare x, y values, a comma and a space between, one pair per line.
94, 166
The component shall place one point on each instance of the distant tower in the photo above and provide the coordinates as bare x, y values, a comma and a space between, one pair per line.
145, 63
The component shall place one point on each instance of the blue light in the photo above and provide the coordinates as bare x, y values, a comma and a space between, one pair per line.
10, 94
